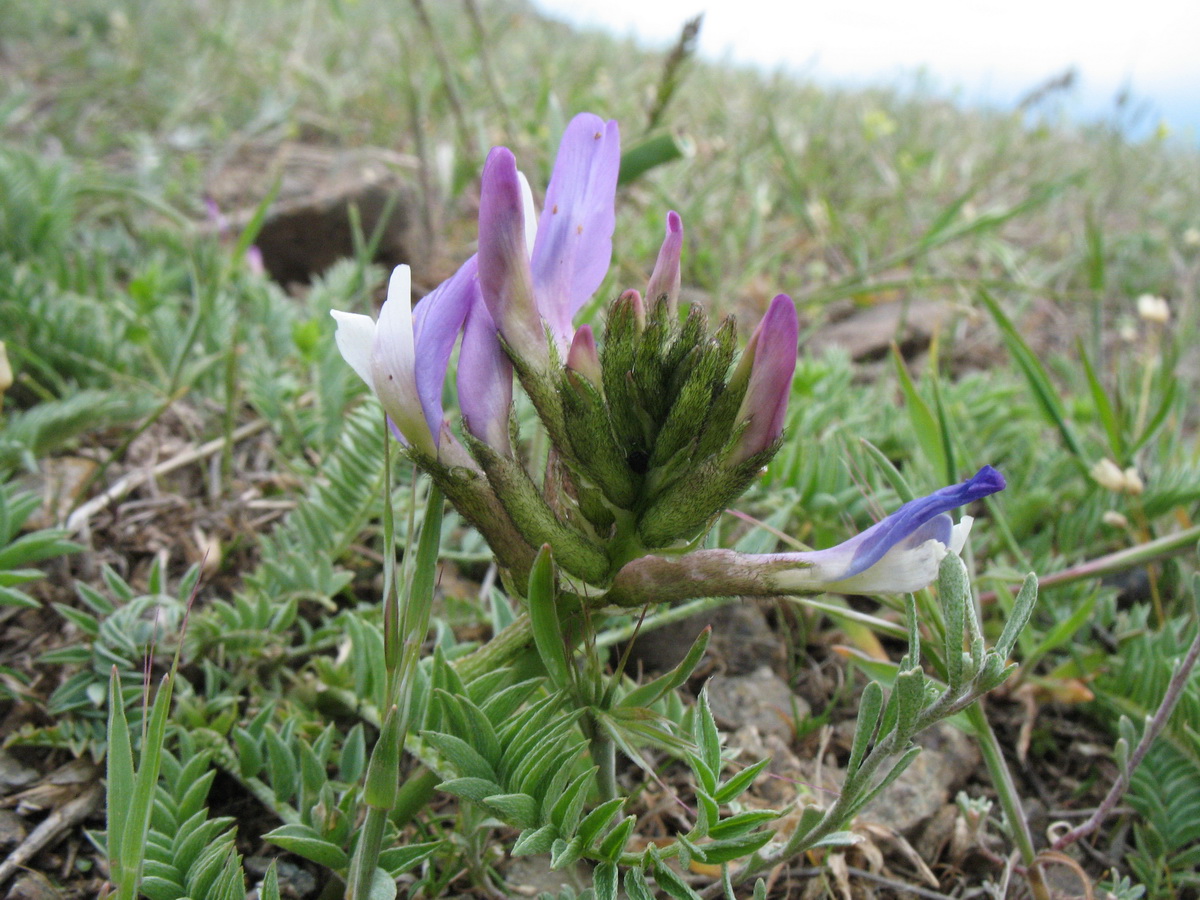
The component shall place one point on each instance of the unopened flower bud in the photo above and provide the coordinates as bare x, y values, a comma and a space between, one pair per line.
768, 363
1153, 309
1109, 475
1115, 519
664, 282
583, 358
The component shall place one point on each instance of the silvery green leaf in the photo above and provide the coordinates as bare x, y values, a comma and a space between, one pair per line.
306, 842
533, 841
1017, 620
516, 809
614, 842
597, 820
737, 784
636, 887
604, 880
869, 707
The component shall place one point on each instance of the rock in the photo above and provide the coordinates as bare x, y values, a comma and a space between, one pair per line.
12, 829
869, 332
761, 700
309, 226
294, 882
33, 886
742, 640
945, 761
530, 876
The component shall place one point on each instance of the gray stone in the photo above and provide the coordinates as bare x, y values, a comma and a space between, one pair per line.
761, 700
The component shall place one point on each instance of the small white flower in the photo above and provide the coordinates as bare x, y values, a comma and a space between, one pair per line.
1153, 309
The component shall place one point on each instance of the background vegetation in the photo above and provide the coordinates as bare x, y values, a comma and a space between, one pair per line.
136, 334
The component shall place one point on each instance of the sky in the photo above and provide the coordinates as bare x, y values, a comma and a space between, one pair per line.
978, 52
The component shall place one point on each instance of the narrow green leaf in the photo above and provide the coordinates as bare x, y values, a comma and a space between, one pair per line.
519, 810
741, 824
724, 851
614, 842
281, 766
1019, 617
737, 784
672, 883
476, 789
120, 780
461, 755
398, 860
543, 615
597, 820
604, 881
706, 735
1104, 408
534, 841
270, 884
636, 887
1035, 375
354, 755
306, 842
146, 779
651, 692
924, 423
869, 707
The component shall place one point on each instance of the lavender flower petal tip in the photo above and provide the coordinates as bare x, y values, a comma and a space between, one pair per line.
900, 554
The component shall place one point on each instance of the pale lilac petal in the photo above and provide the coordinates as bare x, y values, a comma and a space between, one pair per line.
484, 381
574, 239
664, 281
772, 356
437, 320
505, 280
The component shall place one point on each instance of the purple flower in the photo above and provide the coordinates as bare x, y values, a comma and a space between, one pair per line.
767, 364
900, 554
534, 281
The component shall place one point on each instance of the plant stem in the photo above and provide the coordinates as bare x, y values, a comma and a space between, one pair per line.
366, 855
1010, 801
604, 755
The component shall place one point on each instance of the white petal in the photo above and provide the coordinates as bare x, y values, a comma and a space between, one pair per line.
355, 334
901, 571
530, 212
393, 364
958, 537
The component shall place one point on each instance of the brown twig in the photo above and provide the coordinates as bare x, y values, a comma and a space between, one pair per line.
123, 486
62, 819
1153, 728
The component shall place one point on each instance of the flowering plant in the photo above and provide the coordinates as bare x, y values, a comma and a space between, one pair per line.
655, 426
653, 433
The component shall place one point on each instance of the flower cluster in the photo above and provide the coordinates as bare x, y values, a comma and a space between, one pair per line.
653, 430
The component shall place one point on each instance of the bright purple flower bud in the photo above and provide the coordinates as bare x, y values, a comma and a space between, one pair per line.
898, 555
664, 281
583, 357
770, 358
